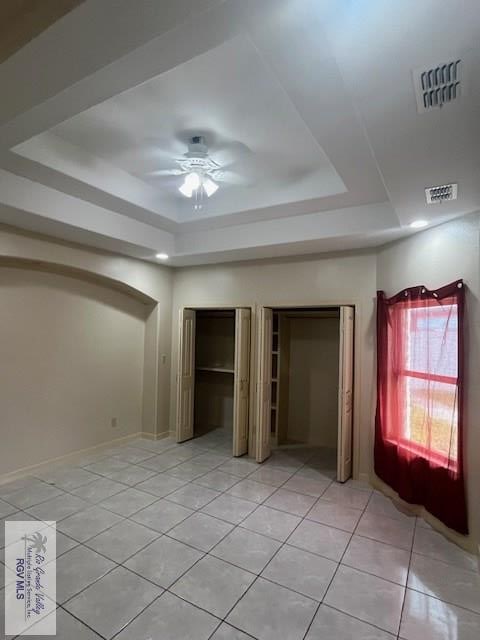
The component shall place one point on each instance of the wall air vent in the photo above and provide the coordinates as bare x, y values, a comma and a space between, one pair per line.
438, 85
442, 193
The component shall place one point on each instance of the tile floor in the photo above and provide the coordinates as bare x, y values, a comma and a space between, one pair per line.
159, 541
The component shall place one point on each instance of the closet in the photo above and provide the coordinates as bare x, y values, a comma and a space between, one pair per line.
306, 382
214, 374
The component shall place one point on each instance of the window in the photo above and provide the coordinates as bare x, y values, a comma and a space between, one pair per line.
429, 380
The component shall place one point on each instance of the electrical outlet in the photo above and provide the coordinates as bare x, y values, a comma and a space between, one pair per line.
114, 423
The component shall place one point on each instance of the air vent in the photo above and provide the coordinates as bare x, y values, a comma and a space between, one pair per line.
437, 86
442, 193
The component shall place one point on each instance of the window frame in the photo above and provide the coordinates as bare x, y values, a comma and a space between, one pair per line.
403, 374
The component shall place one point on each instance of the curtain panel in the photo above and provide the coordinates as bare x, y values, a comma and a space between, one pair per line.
420, 382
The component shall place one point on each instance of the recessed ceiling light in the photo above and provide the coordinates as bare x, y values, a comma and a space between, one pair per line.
162, 256
419, 224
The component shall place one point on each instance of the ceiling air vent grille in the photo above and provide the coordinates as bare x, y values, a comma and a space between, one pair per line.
442, 193
438, 85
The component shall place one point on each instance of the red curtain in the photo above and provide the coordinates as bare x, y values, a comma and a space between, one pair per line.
419, 420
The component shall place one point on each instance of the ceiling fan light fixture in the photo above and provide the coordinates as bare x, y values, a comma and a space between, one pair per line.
210, 186
193, 180
191, 183
185, 190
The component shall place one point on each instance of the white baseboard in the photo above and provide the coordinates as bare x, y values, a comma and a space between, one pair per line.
154, 436
72, 456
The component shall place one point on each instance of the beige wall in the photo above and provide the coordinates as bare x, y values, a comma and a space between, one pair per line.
149, 282
434, 258
336, 280
313, 384
71, 359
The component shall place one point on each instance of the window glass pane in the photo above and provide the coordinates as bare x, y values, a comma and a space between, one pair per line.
432, 416
432, 345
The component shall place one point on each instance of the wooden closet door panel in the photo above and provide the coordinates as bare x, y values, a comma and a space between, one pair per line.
242, 381
264, 384
345, 394
186, 375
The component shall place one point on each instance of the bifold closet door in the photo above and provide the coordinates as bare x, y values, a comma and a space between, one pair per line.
186, 375
264, 383
241, 381
345, 394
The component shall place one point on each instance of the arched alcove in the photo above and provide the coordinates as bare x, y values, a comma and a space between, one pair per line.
79, 360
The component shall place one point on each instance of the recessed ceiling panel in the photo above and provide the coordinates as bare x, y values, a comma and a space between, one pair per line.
251, 127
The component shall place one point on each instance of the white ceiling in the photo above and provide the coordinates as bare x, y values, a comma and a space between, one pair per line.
248, 120
309, 102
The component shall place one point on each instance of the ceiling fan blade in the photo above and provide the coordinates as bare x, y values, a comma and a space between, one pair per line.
230, 177
230, 153
166, 147
165, 172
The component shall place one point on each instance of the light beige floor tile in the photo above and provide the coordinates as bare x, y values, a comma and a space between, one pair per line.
367, 597
301, 571
446, 582
253, 614
377, 558
426, 618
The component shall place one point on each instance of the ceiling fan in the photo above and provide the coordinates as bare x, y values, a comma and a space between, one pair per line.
201, 172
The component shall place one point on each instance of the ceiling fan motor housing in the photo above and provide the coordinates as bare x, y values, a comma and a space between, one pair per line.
197, 158
197, 148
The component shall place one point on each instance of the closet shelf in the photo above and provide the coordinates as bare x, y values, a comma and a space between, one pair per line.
215, 369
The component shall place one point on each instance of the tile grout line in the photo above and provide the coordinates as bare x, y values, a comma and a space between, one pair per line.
205, 553
282, 545
193, 511
160, 535
263, 569
83, 544
406, 581
155, 473
118, 565
339, 564
234, 525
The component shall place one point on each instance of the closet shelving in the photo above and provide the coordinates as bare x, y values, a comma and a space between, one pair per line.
280, 378
215, 369
275, 370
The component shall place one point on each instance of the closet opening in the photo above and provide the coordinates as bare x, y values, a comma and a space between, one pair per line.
214, 374
307, 385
